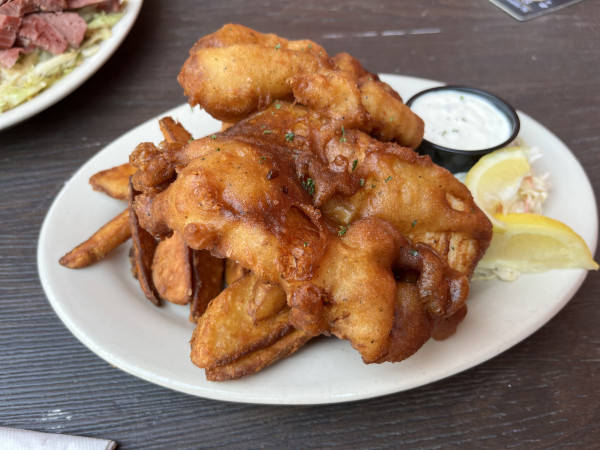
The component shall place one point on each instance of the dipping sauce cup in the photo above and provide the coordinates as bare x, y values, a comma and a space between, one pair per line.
462, 124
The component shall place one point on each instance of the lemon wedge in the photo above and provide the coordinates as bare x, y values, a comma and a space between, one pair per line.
535, 243
495, 180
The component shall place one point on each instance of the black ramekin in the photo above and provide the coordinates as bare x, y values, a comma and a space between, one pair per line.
456, 160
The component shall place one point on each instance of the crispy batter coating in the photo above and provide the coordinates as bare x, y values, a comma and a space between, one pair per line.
237, 71
392, 120
236, 62
356, 176
337, 280
436, 208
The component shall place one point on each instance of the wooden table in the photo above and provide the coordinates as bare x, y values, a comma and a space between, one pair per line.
541, 393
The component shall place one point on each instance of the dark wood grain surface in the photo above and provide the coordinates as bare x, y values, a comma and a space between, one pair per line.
543, 393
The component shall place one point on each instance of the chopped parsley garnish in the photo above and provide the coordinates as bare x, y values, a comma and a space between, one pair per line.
414, 223
343, 138
261, 159
388, 178
277, 105
342, 230
354, 164
214, 136
414, 252
278, 46
309, 186
290, 137
267, 132
362, 181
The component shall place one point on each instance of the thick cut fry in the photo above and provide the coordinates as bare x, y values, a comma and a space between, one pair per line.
114, 182
207, 281
172, 270
240, 331
259, 359
142, 253
173, 131
100, 244
233, 271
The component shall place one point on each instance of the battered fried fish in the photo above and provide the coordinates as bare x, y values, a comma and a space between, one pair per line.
355, 176
338, 280
237, 71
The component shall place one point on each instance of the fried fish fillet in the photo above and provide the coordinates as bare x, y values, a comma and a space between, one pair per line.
356, 176
239, 63
237, 71
337, 281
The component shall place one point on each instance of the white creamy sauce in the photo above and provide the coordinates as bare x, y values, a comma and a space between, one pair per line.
461, 121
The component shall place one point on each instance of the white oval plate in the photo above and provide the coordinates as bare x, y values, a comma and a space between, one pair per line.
104, 308
78, 76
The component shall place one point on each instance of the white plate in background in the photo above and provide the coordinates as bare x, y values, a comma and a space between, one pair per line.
79, 75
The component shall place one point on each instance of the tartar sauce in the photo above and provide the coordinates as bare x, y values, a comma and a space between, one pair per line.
460, 120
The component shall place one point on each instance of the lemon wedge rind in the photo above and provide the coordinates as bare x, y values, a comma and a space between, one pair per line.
495, 180
532, 243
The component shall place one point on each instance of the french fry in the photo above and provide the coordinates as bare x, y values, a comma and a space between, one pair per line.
114, 182
173, 131
259, 359
230, 328
172, 270
233, 271
207, 279
142, 253
100, 244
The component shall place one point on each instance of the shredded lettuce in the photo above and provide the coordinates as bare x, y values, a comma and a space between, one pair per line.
39, 70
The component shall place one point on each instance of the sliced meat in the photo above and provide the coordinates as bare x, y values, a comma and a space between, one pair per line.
104, 5
110, 5
9, 57
52, 5
18, 8
8, 30
71, 25
38, 32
